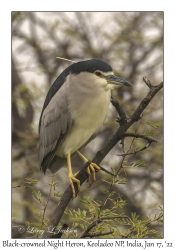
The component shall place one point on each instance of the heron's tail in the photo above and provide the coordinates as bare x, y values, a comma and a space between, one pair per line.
56, 164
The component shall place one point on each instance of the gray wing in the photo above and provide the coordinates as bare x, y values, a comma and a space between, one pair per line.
56, 120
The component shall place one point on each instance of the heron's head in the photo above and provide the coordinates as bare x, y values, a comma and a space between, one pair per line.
98, 72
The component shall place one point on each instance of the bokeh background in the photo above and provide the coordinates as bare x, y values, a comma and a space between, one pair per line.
132, 43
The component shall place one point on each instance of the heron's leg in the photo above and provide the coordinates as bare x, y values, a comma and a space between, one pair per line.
92, 168
71, 176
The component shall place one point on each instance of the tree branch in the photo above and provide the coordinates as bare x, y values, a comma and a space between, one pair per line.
96, 222
138, 136
82, 175
119, 109
97, 235
123, 128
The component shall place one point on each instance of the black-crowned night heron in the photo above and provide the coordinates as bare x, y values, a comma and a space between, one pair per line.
74, 111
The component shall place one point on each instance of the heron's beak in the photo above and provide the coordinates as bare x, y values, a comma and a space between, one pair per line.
115, 80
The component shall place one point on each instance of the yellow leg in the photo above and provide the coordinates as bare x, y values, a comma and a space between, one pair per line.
71, 176
91, 169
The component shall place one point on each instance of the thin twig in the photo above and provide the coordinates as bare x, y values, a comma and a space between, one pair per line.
119, 109
106, 197
48, 199
137, 151
20, 185
125, 154
137, 136
106, 171
160, 216
148, 82
99, 220
97, 235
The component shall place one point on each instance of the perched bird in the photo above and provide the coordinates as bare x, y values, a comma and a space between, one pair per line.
73, 113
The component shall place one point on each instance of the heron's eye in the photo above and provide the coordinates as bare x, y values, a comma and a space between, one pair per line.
98, 73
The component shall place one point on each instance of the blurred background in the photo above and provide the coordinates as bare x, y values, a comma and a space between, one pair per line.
132, 43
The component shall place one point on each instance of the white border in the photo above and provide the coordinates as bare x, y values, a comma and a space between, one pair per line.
5, 92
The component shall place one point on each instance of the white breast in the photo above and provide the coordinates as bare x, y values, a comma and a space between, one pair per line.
89, 111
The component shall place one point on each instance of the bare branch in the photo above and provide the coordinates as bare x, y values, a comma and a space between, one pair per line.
96, 222
100, 234
119, 109
148, 82
106, 171
138, 136
48, 199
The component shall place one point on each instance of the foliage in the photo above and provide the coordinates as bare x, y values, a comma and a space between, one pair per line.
100, 218
109, 222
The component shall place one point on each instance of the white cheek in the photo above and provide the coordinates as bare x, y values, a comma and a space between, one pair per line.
110, 86
104, 84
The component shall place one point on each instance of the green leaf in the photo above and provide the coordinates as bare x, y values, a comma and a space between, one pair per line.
30, 180
37, 195
58, 194
149, 133
153, 124
138, 164
122, 181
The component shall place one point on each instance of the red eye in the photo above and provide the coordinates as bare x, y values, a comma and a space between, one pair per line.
98, 73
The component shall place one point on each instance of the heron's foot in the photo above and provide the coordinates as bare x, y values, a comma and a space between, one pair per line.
73, 179
91, 170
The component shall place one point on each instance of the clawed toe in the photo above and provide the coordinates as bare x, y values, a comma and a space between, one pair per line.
91, 170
